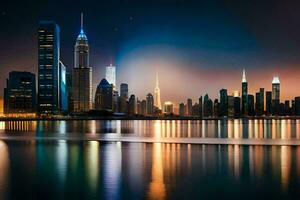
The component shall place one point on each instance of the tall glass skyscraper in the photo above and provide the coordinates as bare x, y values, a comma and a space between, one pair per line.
111, 75
48, 67
244, 95
157, 94
275, 95
275, 88
82, 74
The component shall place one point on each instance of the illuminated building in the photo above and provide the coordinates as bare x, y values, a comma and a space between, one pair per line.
20, 94
268, 102
1, 107
168, 108
244, 95
82, 74
124, 90
104, 96
189, 107
223, 103
275, 95
157, 102
48, 67
64, 98
150, 104
132, 105
110, 75
236, 93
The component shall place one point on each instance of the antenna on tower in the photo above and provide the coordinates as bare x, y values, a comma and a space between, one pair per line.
156, 79
81, 20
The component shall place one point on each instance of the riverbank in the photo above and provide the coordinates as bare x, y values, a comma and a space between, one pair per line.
70, 118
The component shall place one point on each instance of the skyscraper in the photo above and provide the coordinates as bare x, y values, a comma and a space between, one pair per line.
168, 108
111, 75
230, 107
297, 106
189, 107
20, 94
223, 102
275, 88
132, 105
268, 102
200, 106
124, 90
48, 67
157, 94
237, 106
181, 109
251, 110
275, 95
207, 106
122, 100
104, 96
144, 107
150, 104
82, 74
244, 95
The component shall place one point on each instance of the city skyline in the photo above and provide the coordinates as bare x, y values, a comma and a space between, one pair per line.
142, 54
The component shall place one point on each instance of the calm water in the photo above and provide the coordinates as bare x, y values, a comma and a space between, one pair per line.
58, 169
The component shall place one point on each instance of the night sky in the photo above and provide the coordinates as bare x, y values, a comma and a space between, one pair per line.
197, 47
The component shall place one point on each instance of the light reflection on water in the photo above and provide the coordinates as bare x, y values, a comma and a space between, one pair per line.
232, 129
117, 170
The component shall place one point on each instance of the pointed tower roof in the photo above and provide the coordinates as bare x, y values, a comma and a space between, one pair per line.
156, 82
81, 35
275, 80
244, 80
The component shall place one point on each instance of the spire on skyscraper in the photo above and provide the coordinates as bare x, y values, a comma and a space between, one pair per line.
156, 85
81, 35
244, 76
81, 27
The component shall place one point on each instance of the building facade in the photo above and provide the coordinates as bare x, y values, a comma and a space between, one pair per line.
244, 95
157, 102
110, 74
48, 68
104, 96
82, 74
20, 94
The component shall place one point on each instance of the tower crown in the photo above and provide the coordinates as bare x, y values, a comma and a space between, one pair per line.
81, 35
275, 80
244, 77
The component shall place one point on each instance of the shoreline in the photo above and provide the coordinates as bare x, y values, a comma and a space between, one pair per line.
85, 118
